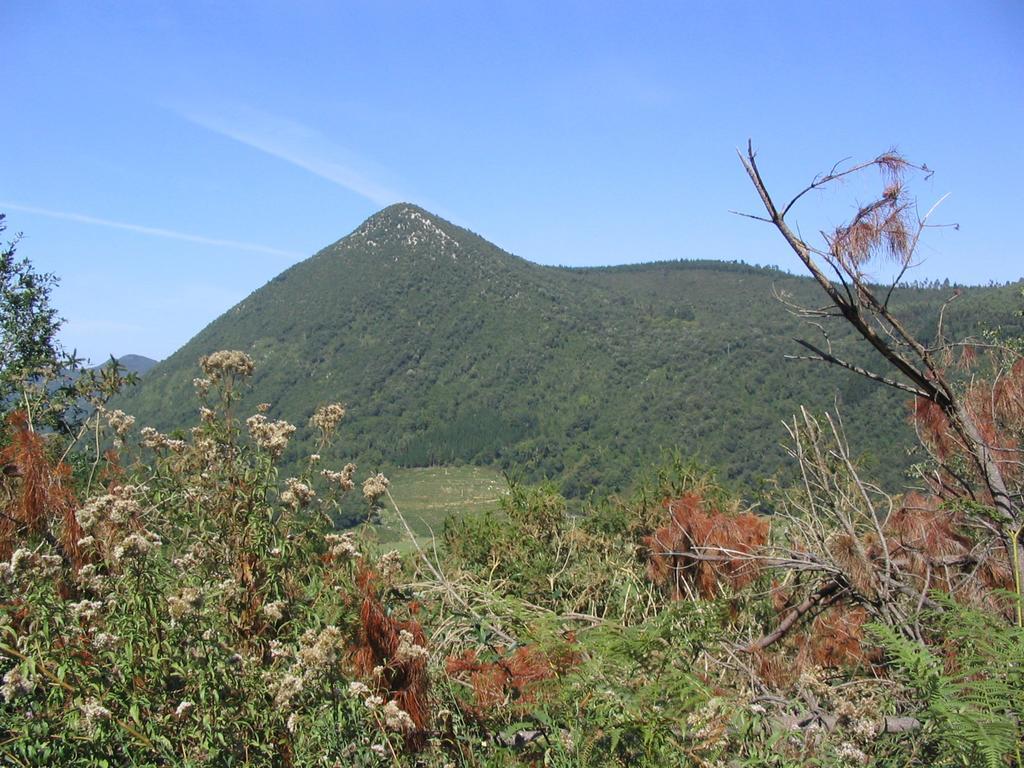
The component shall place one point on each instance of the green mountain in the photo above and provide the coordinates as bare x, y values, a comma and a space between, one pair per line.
447, 349
137, 364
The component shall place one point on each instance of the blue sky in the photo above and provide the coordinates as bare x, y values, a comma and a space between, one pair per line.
164, 159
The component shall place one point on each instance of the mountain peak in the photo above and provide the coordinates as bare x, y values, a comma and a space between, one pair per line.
407, 226
403, 209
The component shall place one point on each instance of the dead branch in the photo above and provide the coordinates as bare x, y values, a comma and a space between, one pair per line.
881, 227
822, 597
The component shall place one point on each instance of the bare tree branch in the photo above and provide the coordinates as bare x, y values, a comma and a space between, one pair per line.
823, 596
826, 357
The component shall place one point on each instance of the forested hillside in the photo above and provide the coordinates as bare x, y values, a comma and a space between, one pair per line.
447, 349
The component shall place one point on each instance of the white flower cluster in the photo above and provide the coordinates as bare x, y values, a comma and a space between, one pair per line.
226, 363
849, 753
326, 418
117, 507
278, 650
390, 564
374, 487
186, 603
274, 611
16, 684
271, 436
50, 566
408, 649
90, 578
318, 652
85, 610
24, 561
342, 546
104, 641
92, 714
119, 421
358, 689
342, 479
135, 546
20, 562
397, 719
298, 494
205, 447
287, 688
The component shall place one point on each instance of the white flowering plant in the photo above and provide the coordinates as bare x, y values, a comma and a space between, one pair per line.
183, 607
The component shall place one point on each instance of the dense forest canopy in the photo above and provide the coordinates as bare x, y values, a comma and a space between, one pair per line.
447, 349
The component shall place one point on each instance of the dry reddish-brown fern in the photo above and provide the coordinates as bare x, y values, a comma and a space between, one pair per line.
698, 551
837, 638
997, 409
40, 492
404, 681
930, 542
929, 545
512, 679
776, 669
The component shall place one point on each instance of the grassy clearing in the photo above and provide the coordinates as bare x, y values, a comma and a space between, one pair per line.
426, 496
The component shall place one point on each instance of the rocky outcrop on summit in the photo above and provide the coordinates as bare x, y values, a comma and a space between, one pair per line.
406, 226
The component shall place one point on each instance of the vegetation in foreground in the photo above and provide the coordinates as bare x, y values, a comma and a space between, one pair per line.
172, 601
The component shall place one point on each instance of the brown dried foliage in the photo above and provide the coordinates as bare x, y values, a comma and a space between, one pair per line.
776, 669
932, 543
403, 681
39, 492
930, 547
892, 163
846, 551
886, 227
997, 408
837, 638
832, 639
883, 228
698, 550
512, 680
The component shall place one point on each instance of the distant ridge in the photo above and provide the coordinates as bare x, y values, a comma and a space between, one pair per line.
446, 349
137, 364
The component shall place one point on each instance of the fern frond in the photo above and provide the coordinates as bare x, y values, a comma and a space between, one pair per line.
974, 710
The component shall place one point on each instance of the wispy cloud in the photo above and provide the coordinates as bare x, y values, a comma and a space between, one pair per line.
154, 231
299, 145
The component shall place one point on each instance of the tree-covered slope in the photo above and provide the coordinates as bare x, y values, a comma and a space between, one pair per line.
446, 348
